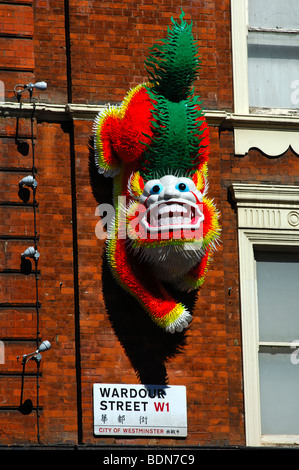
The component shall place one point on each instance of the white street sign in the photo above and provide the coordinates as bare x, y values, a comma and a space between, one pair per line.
140, 410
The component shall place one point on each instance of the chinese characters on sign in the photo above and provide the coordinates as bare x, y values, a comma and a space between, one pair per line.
149, 410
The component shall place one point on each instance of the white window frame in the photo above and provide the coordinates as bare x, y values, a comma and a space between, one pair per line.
272, 132
268, 215
239, 22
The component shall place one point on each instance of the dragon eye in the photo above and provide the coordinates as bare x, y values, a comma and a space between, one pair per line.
156, 189
183, 187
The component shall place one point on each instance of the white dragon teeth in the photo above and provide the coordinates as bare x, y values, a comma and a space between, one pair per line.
172, 215
175, 208
163, 221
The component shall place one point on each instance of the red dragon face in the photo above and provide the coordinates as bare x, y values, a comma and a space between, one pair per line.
172, 204
171, 210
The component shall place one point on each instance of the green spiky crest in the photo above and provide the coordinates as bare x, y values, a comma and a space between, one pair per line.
174, 64
175, 145
177, 116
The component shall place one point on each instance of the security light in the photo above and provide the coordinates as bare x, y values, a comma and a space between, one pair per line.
28, 181
19, 89
40, 85
31, 252
45, 345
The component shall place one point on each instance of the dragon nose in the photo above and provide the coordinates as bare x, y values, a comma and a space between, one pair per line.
169, 193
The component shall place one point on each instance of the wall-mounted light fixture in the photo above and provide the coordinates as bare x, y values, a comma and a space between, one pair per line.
19, 89
24, 193
30, 252
27, 406
29, 181
45, 345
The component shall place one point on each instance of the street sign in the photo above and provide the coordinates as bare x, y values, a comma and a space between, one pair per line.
140, 410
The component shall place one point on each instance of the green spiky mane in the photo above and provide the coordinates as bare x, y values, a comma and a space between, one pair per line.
174, 64
173, 67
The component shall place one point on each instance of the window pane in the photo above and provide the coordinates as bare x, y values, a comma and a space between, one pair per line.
278, 296
279, 388
273, 65
273, 14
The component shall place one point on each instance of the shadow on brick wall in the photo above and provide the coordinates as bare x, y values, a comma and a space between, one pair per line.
147, 346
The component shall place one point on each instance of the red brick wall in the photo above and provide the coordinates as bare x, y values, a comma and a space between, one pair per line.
16, 44
107, 42
210, 362
50, 49
55, 288
115, 37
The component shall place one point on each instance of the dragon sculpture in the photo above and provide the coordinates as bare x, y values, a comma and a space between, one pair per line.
155, 146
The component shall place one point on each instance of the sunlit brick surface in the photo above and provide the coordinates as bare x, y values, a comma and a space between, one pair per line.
93, 54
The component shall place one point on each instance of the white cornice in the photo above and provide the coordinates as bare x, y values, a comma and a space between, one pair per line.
263, 121
216, 117
84, 111
50, 111
273, 134
266, 195
266, 206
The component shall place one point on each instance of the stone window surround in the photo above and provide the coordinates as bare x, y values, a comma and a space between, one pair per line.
273, 131
268, 215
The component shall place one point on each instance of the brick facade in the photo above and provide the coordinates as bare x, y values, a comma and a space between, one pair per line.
90, 53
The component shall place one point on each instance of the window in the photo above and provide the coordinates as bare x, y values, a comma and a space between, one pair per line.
268, 232
278, 299
265, 37
265, 56
273, 53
